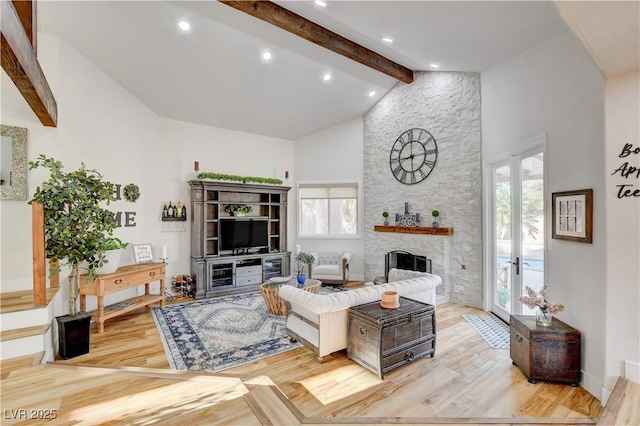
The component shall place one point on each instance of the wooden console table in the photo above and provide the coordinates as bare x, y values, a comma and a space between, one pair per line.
125, 277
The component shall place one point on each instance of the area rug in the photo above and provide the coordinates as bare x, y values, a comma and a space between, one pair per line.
220, 333
492, 330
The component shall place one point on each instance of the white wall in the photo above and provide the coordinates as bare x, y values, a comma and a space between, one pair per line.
334, 154
104, 126
555, 89
623, 230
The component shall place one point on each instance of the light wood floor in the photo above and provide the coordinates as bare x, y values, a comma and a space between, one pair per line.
466, 382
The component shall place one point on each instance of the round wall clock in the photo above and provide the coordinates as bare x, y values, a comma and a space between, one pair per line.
413, 156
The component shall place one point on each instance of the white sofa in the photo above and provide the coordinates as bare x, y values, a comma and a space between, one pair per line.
319, 321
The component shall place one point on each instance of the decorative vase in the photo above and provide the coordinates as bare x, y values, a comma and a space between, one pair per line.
390, 300
435, 224
543, 318
301, 278
386, 222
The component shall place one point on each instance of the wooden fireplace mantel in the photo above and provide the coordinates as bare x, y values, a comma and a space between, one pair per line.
413, 230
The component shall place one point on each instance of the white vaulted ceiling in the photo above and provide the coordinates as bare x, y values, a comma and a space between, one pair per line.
214, 75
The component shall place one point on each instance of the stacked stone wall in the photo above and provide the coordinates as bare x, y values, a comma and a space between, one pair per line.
447, 104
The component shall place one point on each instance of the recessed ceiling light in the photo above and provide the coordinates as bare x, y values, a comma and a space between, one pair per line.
387, 40
327, 77
320, 3
184, 25
372, 93
434, 65
266, 56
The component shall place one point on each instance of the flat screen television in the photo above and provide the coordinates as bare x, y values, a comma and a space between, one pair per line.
243, 233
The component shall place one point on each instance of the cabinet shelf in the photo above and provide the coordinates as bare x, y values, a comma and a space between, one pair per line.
413, 230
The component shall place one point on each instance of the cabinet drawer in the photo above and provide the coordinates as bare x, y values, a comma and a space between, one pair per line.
244, 271
414, 328
249, 280
131, 280
407, 355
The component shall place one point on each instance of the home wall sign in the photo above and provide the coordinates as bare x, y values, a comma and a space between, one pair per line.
126, 219
629, 172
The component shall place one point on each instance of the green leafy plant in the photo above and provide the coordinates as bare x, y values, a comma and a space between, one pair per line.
76, 226
131, 192
385, 214
237, 178
237, 208
435, 214
305, 259
113, 243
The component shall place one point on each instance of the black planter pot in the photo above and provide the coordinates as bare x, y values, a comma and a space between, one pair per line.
73, 334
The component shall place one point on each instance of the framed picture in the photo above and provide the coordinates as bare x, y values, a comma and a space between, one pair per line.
572, 215
142, 253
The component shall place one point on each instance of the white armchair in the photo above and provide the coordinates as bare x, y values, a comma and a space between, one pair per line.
331, 266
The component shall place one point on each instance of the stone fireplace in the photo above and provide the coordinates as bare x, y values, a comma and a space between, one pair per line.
447, 104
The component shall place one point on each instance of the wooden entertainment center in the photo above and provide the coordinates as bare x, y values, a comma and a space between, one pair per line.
219, 272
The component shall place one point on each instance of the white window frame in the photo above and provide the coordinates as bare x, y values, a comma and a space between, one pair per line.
359, 207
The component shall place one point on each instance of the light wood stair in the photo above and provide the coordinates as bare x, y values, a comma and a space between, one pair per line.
24, 328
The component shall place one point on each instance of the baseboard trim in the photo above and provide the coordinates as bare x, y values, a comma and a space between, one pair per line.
632, 371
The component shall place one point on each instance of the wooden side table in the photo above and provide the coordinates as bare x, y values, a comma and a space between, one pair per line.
271, 294
545, 353
125, 277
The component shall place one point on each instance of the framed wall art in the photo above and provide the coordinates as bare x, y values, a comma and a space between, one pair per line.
572, 215
142, 253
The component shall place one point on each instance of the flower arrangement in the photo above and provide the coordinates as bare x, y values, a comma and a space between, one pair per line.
539, 300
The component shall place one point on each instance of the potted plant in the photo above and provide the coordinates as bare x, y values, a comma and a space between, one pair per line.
385, 215
304, 259
77, 229
237, 209
435, 214
113, 248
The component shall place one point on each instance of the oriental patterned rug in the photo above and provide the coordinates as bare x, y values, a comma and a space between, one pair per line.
220, 333
492, 330
223, 332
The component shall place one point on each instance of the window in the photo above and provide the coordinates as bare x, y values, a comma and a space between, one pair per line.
329, 210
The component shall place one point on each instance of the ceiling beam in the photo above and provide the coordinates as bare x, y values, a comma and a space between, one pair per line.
26, 10
296, 24
19, 61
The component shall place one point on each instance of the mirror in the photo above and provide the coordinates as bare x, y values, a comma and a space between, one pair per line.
13, 163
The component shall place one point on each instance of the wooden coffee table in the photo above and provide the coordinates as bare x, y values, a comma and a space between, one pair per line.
271, 294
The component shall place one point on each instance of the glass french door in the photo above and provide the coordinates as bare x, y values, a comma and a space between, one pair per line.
517, 231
